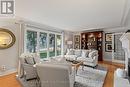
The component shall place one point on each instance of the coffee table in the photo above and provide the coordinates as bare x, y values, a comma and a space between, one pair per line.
77, 64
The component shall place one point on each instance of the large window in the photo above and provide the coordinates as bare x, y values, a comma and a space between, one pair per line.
45, 43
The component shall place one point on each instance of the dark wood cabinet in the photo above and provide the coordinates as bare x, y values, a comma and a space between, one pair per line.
93, 40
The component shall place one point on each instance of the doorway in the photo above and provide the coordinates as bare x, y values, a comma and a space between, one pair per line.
118, 54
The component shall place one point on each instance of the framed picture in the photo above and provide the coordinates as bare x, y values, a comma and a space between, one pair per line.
77, 38
77, 41
108, 37
77, 46
108, 47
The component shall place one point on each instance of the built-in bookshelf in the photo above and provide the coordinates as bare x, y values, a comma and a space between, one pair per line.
93, 40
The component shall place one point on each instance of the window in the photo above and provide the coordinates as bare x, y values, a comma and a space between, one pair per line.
31, 41
45, 43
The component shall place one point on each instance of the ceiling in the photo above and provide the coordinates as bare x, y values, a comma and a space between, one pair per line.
74, 15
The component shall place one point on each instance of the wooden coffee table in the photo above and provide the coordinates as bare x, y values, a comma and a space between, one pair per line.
77, 64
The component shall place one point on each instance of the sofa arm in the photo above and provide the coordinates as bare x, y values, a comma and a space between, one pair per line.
95, 59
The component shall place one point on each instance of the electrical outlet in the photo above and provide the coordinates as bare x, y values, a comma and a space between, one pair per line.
3, 67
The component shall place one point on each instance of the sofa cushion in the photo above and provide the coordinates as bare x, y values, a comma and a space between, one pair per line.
70, 52
78, 53
70, 57
85, 59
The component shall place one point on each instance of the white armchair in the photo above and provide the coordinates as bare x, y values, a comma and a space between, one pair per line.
55, 75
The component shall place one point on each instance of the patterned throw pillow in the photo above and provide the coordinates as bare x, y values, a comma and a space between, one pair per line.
92, 54
30, 60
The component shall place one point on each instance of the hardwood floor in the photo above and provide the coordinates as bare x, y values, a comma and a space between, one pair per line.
110, 75
10, 80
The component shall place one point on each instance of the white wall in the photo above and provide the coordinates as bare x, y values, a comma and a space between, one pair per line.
9, 57
68, 36
127, 22
108, 55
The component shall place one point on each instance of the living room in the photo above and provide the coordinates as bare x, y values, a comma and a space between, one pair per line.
89, 39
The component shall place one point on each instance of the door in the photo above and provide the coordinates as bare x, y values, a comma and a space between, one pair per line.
118, 54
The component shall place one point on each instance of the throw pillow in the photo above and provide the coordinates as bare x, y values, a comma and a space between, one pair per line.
78, 53
84, 53
30, 60
92, 54
70, 52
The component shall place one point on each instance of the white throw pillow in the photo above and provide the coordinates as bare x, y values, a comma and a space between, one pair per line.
78, 53
84, 53
70, 52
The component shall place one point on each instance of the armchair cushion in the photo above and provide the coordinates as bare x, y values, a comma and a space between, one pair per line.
54, 75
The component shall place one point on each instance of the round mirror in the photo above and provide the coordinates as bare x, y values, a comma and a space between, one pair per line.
7, 38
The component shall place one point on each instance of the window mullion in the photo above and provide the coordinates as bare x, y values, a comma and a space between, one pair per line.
55, 45
47, 44
38, 33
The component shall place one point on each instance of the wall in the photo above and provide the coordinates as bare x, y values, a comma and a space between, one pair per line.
108, 55
68, 36
127, 22
9, 57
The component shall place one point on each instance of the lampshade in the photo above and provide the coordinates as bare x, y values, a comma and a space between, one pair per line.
69, 42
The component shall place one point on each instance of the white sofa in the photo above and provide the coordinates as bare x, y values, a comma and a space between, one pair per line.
56, 74
89, 57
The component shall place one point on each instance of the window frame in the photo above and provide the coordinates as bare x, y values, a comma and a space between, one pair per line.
38, 37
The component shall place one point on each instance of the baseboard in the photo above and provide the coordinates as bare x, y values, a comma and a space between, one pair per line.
109, 60
8, 72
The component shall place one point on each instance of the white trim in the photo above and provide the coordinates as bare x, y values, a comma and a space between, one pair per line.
8, 72
117, 61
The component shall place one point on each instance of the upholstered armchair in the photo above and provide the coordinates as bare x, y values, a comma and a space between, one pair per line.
55, 75
26, 62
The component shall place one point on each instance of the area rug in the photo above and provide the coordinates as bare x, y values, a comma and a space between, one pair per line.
90, 77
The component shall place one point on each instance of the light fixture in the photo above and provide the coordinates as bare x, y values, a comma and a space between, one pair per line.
69, 42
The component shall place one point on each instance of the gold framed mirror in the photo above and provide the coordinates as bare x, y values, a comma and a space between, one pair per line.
7, 38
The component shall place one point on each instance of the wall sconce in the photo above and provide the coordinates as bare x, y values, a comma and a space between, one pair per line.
69, 43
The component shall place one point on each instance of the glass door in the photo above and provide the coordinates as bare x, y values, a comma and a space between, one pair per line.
118, 54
